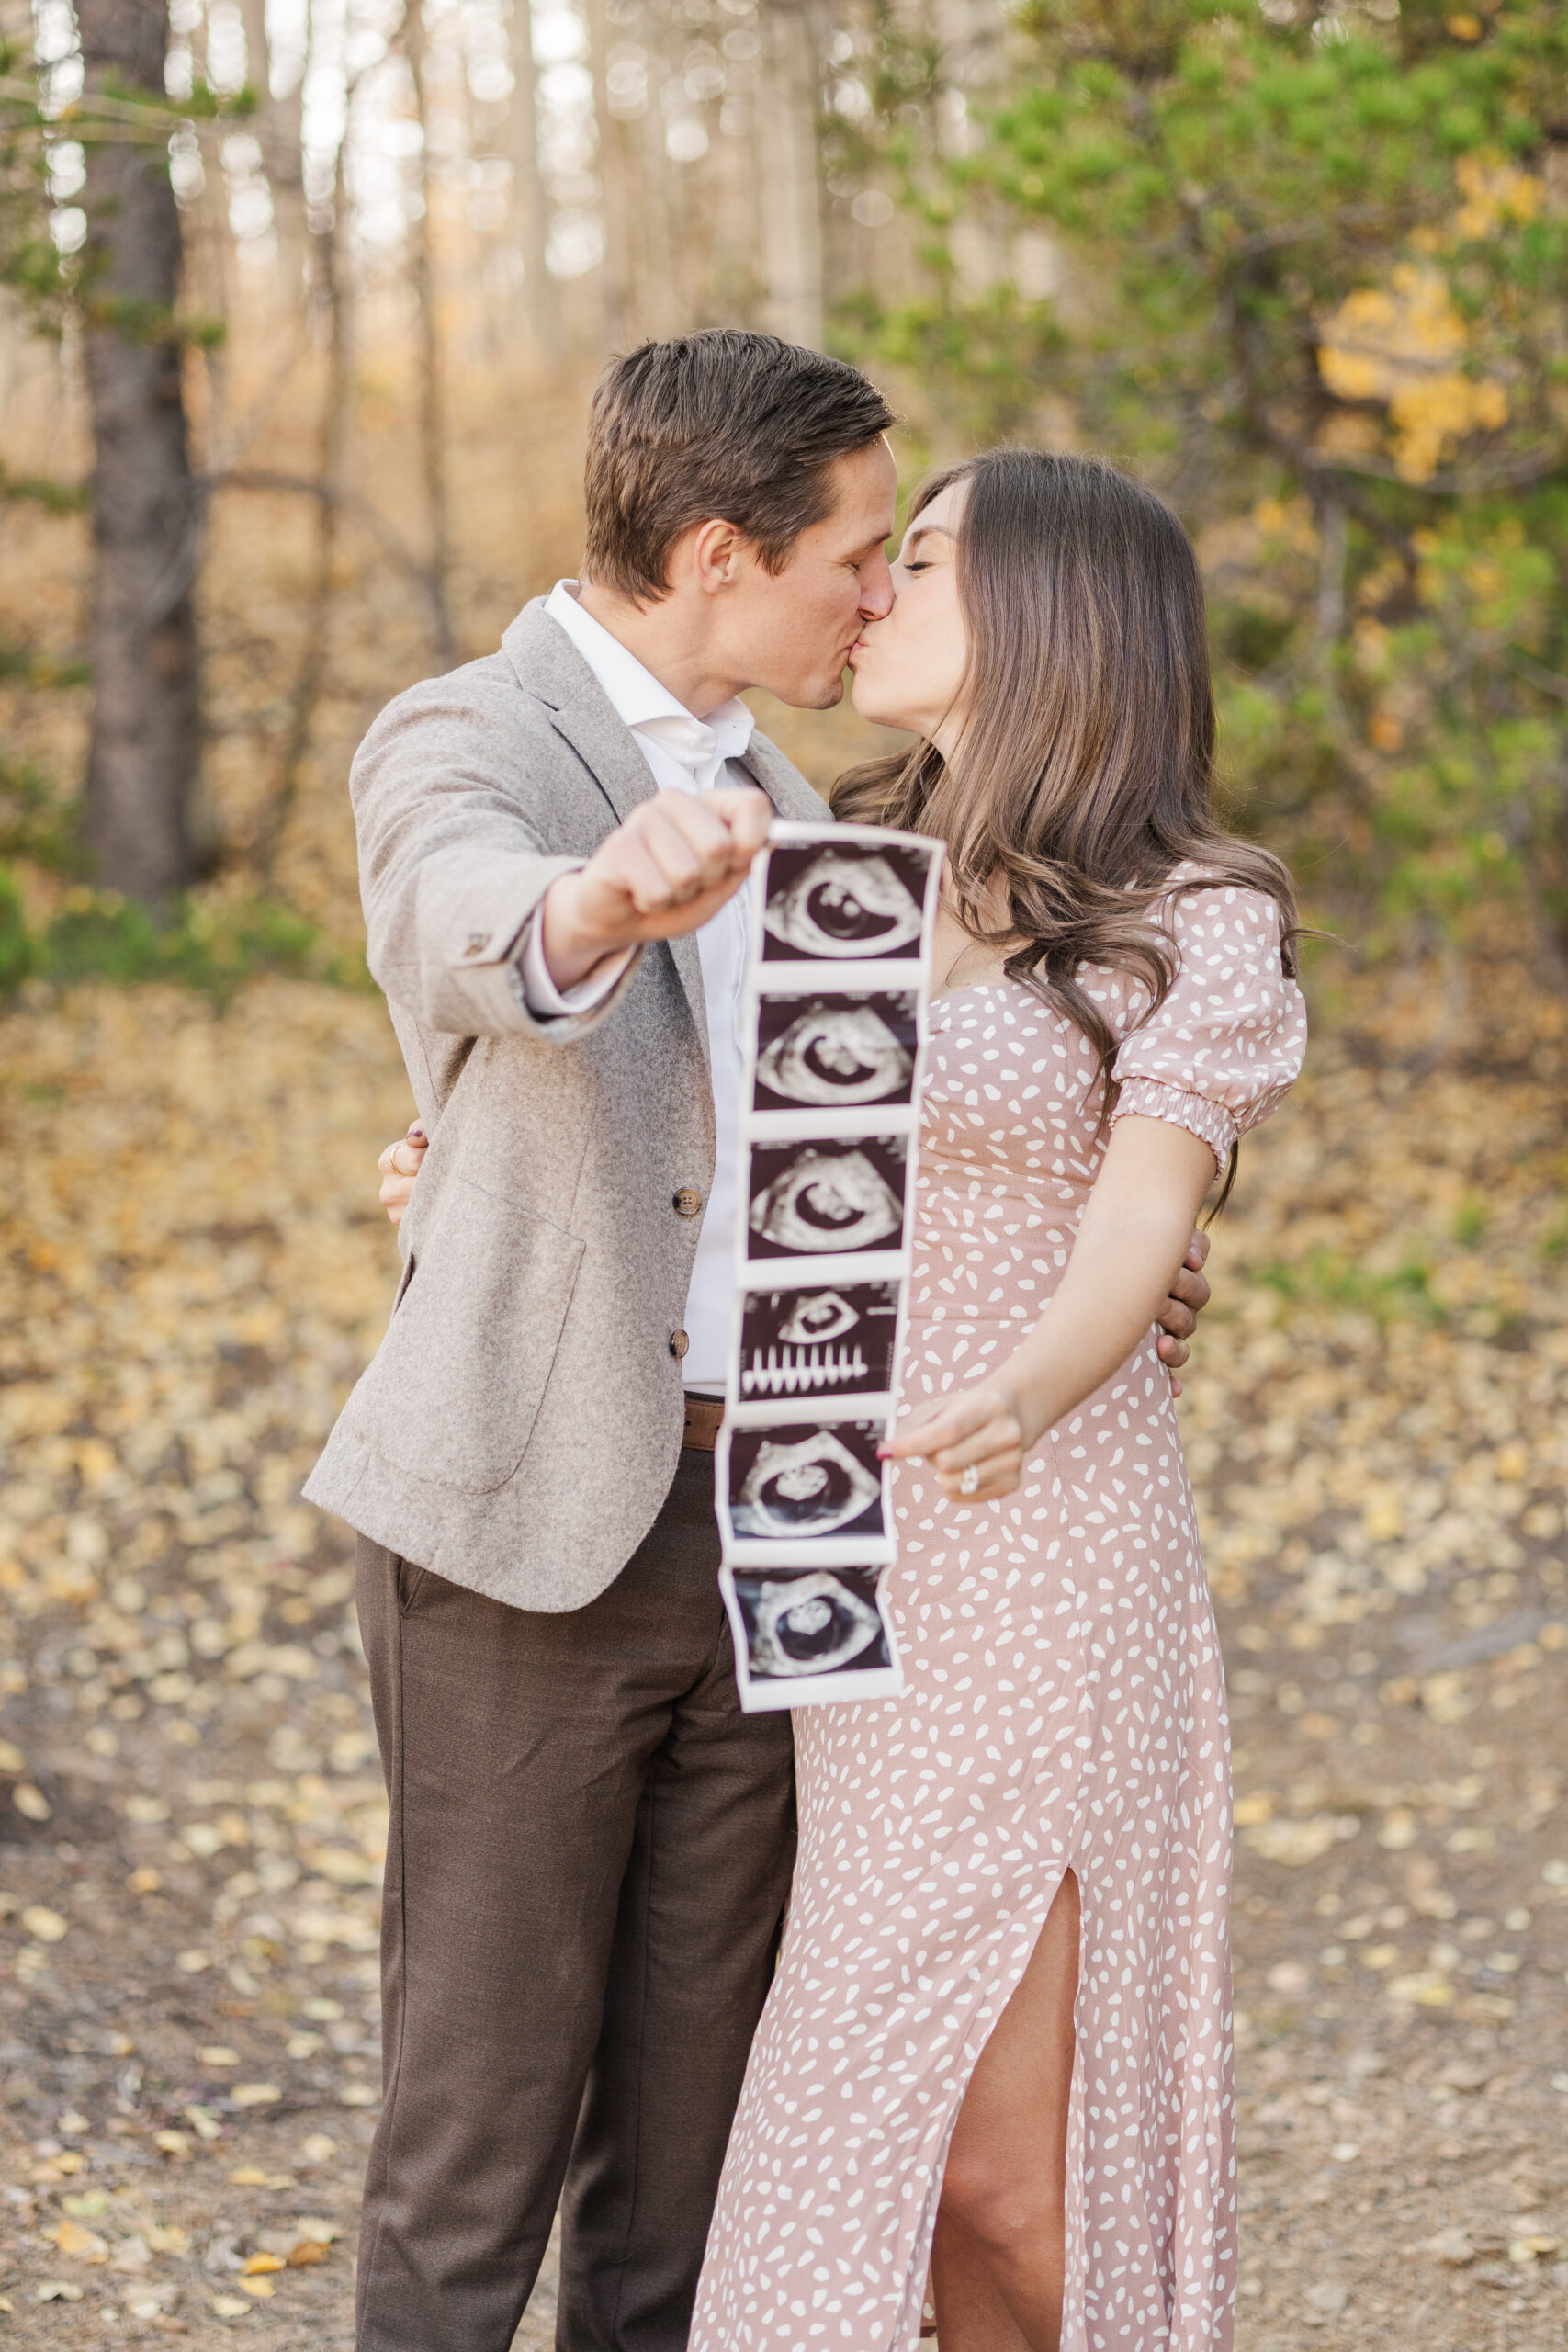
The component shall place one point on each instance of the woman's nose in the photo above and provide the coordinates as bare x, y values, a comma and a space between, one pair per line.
876, 590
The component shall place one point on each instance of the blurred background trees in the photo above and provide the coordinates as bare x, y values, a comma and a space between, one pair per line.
1304, 271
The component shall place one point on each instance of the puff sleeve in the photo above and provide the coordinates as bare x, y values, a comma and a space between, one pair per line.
1229, 1036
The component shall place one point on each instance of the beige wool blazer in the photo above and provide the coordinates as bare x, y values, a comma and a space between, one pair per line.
519, 1425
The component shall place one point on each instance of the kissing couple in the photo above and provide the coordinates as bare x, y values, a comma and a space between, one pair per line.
972, 2041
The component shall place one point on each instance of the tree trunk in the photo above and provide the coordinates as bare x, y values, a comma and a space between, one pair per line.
432, 403
786, 156
616, 181
277, 124
540, 306
142, 759
334, 302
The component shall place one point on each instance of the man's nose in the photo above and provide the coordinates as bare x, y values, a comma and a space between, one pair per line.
875, 589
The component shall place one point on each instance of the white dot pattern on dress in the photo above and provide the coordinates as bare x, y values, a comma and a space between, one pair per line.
1064, 1708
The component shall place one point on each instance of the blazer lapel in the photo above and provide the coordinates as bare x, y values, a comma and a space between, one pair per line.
784, 784
550, 667
606, 747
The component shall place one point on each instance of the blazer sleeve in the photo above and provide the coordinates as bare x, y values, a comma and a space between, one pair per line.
1229, 1037
452, 867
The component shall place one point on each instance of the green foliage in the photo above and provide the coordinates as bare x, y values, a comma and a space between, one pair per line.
1327, 1279
16, 947
1315, 285
43, 489
51, 282
212, 949
35, 823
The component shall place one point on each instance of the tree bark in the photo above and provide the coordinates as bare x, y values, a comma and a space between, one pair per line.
786, 151
616, 181
334, 302
432, 390
540, 307
277, 124
142, 759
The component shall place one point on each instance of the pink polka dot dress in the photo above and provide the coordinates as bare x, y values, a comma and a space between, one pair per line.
1065, 1709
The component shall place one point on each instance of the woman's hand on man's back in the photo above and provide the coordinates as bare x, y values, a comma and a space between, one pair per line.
399, 1165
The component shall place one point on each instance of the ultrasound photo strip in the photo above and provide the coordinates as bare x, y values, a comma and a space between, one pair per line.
842, 921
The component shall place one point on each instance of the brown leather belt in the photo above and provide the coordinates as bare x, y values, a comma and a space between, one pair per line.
705, 1415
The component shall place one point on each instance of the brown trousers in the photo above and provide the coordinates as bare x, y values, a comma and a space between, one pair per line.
589, 1856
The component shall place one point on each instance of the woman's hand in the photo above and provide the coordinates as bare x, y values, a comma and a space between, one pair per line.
399, 1165
984, 1431
1177, 1319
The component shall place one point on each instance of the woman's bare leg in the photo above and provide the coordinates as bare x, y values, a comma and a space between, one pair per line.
1001, 2244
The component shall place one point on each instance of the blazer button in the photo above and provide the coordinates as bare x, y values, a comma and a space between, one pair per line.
678, 1343
687, 1201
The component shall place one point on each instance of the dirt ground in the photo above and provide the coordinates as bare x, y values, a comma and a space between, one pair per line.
190, 1812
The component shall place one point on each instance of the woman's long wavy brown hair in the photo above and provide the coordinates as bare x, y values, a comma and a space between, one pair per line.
1085, 773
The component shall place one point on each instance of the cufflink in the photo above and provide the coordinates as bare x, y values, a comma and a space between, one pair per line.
478, 942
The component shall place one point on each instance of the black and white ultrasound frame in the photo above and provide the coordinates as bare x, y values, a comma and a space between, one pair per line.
870, 1671
897, 1012
803, 1420
791, 848
888, 1127
828, 1340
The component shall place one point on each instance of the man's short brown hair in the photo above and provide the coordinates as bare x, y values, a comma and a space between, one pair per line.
743, 427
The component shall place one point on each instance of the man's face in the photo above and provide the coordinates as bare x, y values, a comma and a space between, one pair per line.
790, 632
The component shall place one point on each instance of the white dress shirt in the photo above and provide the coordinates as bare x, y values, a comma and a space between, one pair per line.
685, 754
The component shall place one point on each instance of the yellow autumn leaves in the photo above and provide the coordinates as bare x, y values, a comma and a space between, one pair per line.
1406, 343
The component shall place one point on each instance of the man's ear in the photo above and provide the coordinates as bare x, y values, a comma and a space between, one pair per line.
717, 555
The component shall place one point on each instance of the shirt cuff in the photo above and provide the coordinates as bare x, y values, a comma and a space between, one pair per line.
540, 994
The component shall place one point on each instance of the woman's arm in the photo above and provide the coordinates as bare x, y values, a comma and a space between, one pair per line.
1135, 1233
1177, 1316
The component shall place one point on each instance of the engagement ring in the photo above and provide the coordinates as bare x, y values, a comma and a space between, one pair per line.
969, 1483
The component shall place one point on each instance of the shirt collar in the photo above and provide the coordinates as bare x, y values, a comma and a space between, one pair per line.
637, 696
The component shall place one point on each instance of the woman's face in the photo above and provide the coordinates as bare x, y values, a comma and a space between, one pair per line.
909, 669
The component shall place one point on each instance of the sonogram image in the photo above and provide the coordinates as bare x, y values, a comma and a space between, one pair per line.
844, 902
810, 1622
813, 1196
833, 1052
795, 1481
834, 1343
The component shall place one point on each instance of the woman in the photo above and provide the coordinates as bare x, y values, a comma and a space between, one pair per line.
998, 2041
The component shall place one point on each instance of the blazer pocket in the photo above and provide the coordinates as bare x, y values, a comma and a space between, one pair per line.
453, 1392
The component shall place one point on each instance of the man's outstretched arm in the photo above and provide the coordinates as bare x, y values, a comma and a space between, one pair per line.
453, 869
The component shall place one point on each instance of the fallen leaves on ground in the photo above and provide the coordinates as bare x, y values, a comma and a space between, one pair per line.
193, 1818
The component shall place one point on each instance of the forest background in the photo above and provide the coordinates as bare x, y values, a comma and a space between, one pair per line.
301, 301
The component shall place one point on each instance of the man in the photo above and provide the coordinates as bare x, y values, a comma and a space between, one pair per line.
590, 1845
